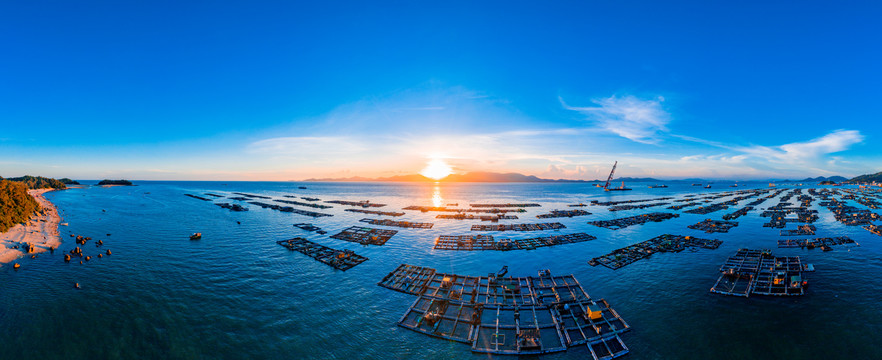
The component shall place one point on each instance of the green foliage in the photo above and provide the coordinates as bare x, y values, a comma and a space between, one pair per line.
868, 178
39, 182
16, 205
67, 181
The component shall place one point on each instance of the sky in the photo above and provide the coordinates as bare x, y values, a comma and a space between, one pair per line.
215, 90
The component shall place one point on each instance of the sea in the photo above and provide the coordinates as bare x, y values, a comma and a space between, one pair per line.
237, 294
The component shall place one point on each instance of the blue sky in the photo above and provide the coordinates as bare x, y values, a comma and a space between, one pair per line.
285, 90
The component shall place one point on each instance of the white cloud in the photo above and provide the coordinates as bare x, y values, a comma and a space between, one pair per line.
808, 151
629, 117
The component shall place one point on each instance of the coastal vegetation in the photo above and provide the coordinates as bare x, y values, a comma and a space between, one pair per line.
67, 181
877, 177
115, 182
16, 205
39, 182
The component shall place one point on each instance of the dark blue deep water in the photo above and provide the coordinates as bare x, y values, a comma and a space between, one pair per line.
237, 294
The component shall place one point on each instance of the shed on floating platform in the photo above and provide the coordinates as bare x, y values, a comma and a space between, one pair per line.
595, 312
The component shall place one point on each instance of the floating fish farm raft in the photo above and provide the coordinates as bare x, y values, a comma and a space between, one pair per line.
292, 202
823, 243
664, 243
610, 203
714, 226
252, 195
401, 224
232, 207
634, 207
447, 209
875, 229
759, 272
622, 223
363, 203
681, 206
487, 242
737, 213
337, 259
703, 210
519, 227
508, 315
310, 227
800, 230
461, 216
375, 212
563, 213
197, 197
365, 236
288, 209
309, 198
506, 205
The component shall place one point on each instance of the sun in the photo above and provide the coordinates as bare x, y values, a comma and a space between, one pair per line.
436, 169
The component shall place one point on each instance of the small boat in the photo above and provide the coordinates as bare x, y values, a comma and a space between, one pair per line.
696, 184
301, 187
656, 186
196, 236
707, 186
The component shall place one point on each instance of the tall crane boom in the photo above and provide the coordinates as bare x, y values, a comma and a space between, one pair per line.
611, 173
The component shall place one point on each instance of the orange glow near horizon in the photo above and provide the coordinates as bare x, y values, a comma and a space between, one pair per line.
436, 169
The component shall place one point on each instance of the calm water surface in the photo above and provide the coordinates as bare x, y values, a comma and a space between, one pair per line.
237, 294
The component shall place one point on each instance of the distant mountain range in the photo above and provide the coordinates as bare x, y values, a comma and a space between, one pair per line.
467, 177
482, 176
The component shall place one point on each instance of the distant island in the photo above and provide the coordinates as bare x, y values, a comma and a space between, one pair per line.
115, 182
38, 182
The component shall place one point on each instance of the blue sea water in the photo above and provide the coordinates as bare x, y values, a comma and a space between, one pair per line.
237, 294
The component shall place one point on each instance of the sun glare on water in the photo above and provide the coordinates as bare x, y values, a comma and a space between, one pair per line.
436, 169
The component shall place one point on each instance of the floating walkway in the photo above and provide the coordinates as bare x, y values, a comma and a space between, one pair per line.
506, 205
823, 243
363, 203
337, 259
714, 226
487, 242
563, 213
365, 236
461, 216
401, 224
293, 202
375, 212
759, 272
288, 209
663, 243
519, 227
508, 315
622, 223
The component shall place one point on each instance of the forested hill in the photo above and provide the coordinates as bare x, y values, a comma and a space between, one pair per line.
39, 182
16, 205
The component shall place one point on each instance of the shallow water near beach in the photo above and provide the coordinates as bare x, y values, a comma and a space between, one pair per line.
237, 294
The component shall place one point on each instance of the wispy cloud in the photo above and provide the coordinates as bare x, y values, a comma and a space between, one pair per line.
807, 151
629, 117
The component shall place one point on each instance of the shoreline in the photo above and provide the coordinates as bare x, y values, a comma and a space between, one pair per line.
41, 230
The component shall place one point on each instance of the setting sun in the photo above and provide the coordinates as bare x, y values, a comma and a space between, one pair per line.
436, 169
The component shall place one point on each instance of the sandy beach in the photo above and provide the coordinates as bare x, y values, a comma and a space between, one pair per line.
41, 231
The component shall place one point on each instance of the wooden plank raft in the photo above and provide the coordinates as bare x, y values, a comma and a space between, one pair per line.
337, 259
